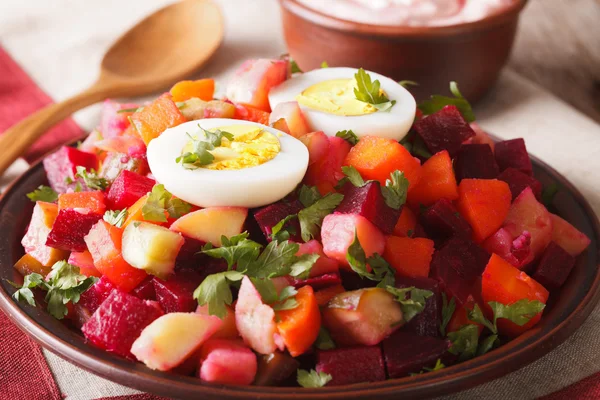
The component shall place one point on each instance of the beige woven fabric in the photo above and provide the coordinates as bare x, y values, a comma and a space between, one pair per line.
60, 43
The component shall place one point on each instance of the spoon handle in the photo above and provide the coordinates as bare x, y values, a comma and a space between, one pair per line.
17, 139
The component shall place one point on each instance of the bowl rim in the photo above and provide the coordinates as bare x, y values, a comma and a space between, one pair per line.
508, 14
521, 351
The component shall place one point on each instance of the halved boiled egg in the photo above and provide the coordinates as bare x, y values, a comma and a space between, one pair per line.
327, 100
258, 166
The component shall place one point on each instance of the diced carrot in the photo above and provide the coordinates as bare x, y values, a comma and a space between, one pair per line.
484, 204
406, 223
134, 213
437, 181
324, 295
94, 201
503, 283
156, 117
104, 243
460, 317
376, 158
253, 114
29, 265
204, 89
299, 327
408, 256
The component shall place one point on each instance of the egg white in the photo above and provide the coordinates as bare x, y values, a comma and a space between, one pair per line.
394, 124
248, 187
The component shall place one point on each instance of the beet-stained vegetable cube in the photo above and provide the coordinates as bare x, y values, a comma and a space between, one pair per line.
85, 262
70, 228
352, 365
115, 163
554, 267
113, 121
268, 216
118, 322
444, 130
317, 144
324, 265
274, 369
145, 290
513, 154
34, 241
516, 251
475, 161
317, 282
96, 294
568, 237
127, 189
442, 221
407, 353
518, 181
227, 362
326, 172
292, 115
176, 293
369, 202
427, 322
61, 167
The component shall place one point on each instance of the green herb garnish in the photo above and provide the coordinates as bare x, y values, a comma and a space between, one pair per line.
43, 193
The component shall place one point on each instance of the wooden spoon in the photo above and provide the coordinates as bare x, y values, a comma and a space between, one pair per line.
162, 49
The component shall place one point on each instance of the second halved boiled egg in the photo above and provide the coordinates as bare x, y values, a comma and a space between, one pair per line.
259, 166
327, 100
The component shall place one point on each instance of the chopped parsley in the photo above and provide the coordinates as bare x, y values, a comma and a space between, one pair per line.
161, 201
43, 193
369, 91
437, 102
200, 155
312, 378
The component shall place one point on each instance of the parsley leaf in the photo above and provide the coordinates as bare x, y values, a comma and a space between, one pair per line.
286, 300
43, 193
519, 312
24, 293
177, 208
487, 344
308, 195
448, 309
324, 64
368, 91
476, 315
464, 341
280, 234
215, 291
160, 200
266, 288
324, 340
201, 146
353, 176
405, 83
412, 300
437, 102
295, 67
312, 216
234, 249
382, 271
348, 136
116, 218
91, 178
548, 194
438, 365
300, 269
312, 379
395, 190
357, 258
274, 261
418, 148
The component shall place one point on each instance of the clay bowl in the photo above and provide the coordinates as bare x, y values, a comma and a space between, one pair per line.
471, 54
566, 311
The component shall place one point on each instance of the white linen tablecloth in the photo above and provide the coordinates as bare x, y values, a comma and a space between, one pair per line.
60, 44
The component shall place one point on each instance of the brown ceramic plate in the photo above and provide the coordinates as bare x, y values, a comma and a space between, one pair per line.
564, 314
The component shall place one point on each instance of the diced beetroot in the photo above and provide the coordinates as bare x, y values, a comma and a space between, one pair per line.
554, 267
518, 181
70, 228
118, 322
369, 202
115, 163
352, 281
145, 290
317, 282
475, 161
127, 189
458, 265
444, 130
568, 237
267, 217
176, 294
516, 251
352, 365
481, 137
442, 221
188, 256
427, 322
96, 294
227, 362
61, 168
407, 353
513, 154
113, 122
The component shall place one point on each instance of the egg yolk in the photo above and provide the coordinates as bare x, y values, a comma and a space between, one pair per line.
335, 96
251, 146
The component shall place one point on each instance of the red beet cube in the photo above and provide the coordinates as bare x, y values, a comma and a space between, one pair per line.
352, 365
407, 353
442, 221
444, 130
369, 202
127, 189
69, 229
554, 267
118, 322
189, 255
475, 161
95, 295
513, 154
318, 282
267, 217
176, 293
352, 281
145, 290
61, 168
518, 181
427, 322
